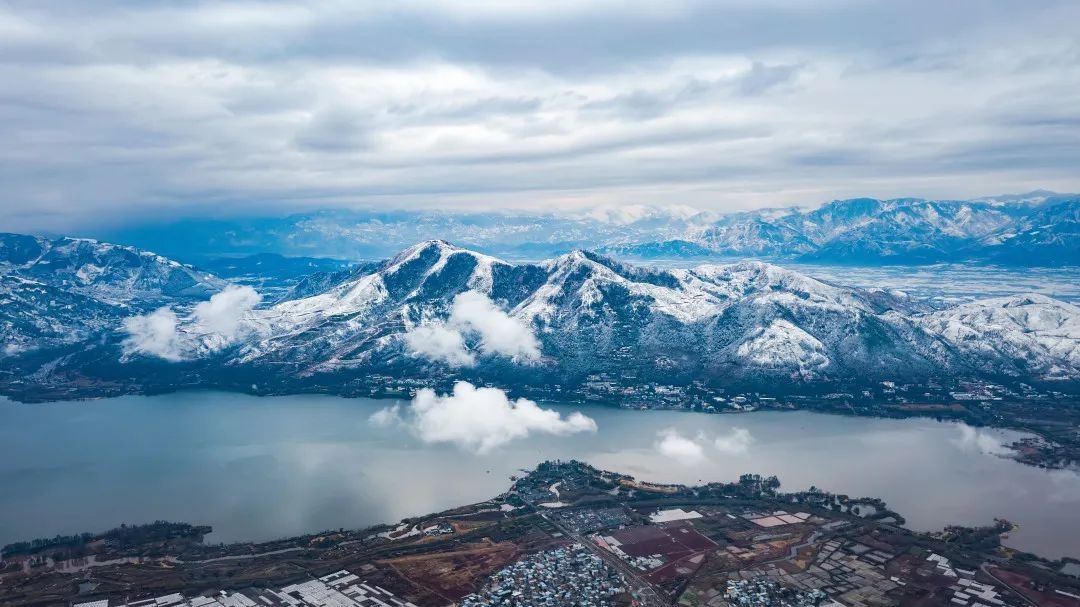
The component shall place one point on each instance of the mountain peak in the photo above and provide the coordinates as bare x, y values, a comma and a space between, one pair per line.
435, 249
435, 244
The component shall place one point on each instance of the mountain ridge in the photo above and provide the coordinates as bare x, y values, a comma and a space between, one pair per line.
1035, 229
590, 316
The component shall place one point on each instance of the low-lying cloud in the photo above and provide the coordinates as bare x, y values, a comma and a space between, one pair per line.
670, 443
692, 450
440, 342
223, 314
474, 317
974, 439
154, 334
478, 419
212, 325
736, 442
387, 417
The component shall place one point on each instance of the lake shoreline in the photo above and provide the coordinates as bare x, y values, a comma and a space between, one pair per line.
320, 454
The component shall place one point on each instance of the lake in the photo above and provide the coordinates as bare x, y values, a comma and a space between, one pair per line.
262, 468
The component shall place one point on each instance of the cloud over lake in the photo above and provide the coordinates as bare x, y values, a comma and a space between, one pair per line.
478, 419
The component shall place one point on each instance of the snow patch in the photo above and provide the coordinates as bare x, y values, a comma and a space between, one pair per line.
784, 345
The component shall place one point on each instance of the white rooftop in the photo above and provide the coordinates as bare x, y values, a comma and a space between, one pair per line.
673, 514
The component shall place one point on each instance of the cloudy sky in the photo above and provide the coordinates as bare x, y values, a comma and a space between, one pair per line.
115, 110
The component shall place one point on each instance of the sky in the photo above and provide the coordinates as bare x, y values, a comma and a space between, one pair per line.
125, 110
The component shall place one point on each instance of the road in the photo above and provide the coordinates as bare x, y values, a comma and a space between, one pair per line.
986, 569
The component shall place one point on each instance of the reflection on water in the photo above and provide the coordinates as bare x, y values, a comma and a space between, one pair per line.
261, 468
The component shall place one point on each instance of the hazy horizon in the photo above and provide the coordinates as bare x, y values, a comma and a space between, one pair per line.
614, 214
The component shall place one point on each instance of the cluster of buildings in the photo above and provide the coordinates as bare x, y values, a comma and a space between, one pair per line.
587, 520
966, 592
629, 391
763, 592
341, 589
564, 577
851, 572
854, 573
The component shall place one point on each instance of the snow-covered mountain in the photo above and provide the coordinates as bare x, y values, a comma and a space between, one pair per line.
34, 314
594, 315
436, 312
109, 272
1040, 231
69, 290
1050, 234
1037, 229
1025, 335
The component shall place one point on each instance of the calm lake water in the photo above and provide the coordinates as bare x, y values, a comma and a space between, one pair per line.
261, 468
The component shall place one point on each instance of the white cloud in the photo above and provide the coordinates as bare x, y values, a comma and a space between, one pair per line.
688, 451
212, 325
154, 334
1064, 485
736, 442
974, 439
473, 314
692, 450
386, 417
499, 332
480, 419
440, 342
223, 314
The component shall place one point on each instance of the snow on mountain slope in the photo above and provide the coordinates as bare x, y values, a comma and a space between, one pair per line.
859, 230
734, 282
1036, 231
580, 283
109, 272
1022, 335
785, 346
899, 231
1049, 236
34, 314
67, 290
574, 300
349, 319
583, 313
753, 235
593, 314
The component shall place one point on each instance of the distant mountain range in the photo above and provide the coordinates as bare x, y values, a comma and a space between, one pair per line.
435, 312
1035, 229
